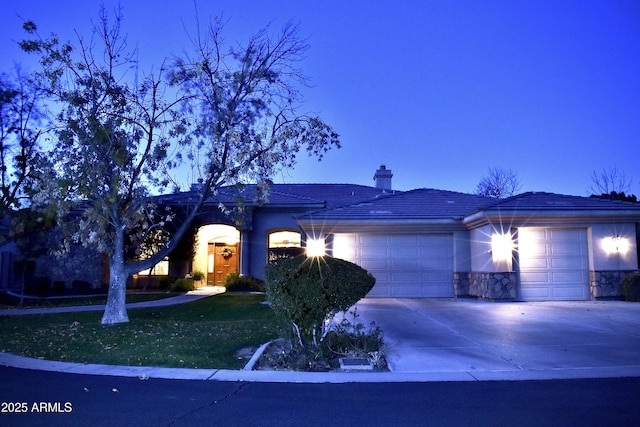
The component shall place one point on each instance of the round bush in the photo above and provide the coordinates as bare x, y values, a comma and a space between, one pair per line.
631, 287
308, 290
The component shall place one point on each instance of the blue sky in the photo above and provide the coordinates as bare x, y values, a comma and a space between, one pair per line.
438, 91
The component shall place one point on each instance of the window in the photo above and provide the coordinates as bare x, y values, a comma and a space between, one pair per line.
284, 244
160, 269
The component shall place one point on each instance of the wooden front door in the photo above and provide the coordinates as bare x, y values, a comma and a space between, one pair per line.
221, 260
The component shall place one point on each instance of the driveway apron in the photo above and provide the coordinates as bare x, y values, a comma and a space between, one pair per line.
465, 335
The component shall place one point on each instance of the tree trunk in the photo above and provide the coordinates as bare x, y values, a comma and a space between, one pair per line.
116, 311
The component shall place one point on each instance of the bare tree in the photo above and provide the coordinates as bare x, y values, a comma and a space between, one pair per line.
608, 181
499, 183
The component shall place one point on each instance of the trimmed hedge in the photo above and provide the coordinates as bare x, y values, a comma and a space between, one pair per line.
631, 287
306, 291
182, 285
236, 283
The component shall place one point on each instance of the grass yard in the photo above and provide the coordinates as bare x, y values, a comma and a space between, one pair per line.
202, 334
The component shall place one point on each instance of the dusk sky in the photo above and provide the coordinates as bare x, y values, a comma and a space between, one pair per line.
438, 91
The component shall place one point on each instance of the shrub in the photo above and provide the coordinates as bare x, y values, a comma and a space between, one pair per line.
165, 283
197, 275
307, 291
348, 338
182, 285
631, 287
236, 283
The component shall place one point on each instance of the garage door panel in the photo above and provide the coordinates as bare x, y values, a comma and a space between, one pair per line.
403, 265
568, 277
568, 263
404, 276
567, 248
567, 293
401, 290
435, 277
538, 293
534, 263
379, 252
553, 264
403, 240
407, 252
538, 278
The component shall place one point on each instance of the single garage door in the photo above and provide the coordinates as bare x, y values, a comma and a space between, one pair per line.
404, 265
553, 264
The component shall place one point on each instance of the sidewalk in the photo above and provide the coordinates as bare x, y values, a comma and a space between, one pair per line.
180, 299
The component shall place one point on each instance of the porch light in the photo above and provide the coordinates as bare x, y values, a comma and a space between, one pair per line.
501, 247
615, 244
315, 247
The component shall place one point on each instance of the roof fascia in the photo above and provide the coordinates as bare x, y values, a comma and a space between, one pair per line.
538, 217
381, 226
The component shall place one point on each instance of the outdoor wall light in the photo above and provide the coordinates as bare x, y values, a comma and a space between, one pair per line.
615, 245
316, 247
501, 247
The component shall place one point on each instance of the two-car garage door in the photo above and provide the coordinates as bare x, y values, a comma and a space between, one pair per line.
416, 265
553, 264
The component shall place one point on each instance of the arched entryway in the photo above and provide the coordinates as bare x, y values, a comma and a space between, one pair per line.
217, 253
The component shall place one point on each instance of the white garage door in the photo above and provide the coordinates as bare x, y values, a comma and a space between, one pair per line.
554, 264
404, 265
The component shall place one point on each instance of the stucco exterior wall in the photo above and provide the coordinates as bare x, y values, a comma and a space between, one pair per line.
480, 246
484, 256
256, 240
461, 251
602, 257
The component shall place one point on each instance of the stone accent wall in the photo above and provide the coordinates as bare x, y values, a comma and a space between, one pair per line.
607, 284
80, 265
493, 286
461, 284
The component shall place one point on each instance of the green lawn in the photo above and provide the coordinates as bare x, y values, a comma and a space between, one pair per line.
202, 334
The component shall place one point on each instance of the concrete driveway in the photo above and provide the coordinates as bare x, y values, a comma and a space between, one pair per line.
503, 340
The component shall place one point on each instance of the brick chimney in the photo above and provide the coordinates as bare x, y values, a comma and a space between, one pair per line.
383, 178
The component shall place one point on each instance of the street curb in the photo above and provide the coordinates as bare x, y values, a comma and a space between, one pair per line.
147, 372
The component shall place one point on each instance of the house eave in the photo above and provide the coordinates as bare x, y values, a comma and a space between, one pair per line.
373, 226
543, 217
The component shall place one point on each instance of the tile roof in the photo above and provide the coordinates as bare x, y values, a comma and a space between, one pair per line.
314, 196
540, 201
423, 203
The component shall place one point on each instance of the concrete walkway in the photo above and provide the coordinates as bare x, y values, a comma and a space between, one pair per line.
446, 340
180, 299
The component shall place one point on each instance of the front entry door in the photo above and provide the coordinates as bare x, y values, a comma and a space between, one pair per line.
222, 259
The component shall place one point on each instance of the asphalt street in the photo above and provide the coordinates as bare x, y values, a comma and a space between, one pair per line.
26, 397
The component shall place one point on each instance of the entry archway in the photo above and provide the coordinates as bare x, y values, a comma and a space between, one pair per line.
217, 252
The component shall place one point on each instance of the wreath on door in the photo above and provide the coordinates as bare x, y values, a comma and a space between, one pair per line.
226, 252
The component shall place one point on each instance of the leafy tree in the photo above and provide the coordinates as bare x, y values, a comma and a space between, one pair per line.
115, 137
499, 183
21, 128
616, 196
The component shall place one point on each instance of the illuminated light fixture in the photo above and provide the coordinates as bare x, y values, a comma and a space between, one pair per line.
615, 245
501, 247
315, 247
